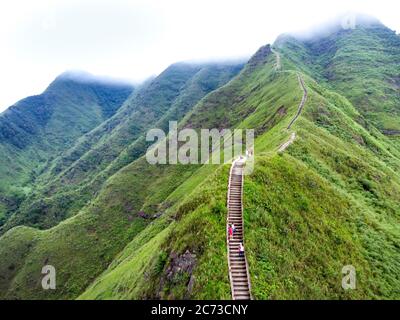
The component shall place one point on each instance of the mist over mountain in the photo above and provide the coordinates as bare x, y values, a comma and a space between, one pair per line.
341, 22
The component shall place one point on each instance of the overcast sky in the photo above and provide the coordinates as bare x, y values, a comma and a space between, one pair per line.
136, 39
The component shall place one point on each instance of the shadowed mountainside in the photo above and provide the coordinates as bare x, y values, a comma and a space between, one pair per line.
36, 129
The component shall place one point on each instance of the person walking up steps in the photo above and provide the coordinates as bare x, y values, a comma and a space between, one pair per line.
230, 232
241, 250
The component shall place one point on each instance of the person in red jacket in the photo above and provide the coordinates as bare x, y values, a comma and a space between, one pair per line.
230, 232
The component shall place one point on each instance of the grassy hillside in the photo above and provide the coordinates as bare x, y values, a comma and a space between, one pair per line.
141, 188
35, 130
315, 209
79, 173
330, 199
362, 64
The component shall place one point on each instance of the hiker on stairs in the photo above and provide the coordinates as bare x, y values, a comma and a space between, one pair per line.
230, 232
241, 250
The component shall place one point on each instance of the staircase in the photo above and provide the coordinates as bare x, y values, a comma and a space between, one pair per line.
238, 268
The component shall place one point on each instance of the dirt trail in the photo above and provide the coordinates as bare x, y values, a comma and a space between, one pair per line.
287, 143
303, 101
299, 110
238, 267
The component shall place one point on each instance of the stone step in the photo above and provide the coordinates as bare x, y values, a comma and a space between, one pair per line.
241, 289
238, 266
239, 273
239, 279
243, 284
236, 260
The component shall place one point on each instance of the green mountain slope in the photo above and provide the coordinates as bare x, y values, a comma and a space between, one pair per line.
36, 129
329, 200
362, 64
328, 203
75, 177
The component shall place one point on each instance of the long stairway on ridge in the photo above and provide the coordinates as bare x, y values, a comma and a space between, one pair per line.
238, 268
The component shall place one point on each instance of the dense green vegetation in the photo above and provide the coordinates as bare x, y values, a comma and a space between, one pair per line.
71, 180
35, 130
362, 64
331, 199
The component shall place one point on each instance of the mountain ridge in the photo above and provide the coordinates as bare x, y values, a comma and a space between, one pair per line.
330, 200
37, 128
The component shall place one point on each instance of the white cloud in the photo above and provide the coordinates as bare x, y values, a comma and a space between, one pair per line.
134, 39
